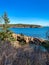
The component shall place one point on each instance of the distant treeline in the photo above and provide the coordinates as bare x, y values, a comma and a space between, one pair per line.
22, 25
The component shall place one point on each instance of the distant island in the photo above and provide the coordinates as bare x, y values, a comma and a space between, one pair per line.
23, 25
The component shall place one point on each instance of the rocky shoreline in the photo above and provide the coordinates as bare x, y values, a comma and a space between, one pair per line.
14, 53
27, 39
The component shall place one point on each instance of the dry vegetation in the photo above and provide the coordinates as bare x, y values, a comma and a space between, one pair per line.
16, 49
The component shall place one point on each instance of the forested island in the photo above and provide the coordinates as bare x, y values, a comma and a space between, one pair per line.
23, 25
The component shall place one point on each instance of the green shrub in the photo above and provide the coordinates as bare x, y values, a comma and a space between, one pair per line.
6, 36
21, 40
45, 44
5, 33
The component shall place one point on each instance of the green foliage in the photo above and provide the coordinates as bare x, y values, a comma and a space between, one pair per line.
6, 22
45, 44
6, 34
21, 40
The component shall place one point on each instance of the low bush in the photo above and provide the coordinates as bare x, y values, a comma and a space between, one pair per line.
6, 36
45, 44
21, 40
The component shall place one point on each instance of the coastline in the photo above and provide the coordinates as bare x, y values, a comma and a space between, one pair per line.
23, 25
26, 38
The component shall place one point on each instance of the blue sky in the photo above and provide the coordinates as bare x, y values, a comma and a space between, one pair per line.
26, 11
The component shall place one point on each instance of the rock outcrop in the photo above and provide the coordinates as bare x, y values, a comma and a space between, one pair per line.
26, 40
12, 53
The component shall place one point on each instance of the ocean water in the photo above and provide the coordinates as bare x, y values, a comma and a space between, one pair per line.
33, 32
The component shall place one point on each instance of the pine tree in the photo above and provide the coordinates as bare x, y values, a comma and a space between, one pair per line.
6, 22
6, 34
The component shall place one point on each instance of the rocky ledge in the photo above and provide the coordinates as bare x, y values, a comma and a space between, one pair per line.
26, 39
16, 53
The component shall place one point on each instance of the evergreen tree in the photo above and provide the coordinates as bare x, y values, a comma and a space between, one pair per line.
6, 34
6, 22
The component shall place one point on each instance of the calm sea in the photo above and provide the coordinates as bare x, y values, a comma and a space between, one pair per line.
33, 32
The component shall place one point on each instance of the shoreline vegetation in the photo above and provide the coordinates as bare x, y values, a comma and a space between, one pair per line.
24, 49
18, 49
22, 26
